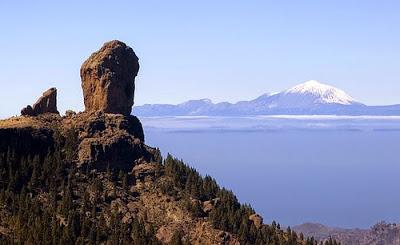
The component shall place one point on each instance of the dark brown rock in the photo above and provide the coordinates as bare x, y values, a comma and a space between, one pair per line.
97, 140
27, 111
47, 103
108, 79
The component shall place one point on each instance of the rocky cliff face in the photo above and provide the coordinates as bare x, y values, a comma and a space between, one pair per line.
102, 140
109, 140
108, 79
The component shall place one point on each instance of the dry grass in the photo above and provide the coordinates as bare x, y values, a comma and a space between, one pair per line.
18, 122
46, 120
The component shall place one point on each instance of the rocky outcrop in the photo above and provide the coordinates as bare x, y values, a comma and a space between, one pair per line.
108, 79
257, 220
209, 205
101, 140
106, 135
47, 103
144, 170
109, 140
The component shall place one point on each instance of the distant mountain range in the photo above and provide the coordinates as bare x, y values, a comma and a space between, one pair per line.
380, 233
309, 98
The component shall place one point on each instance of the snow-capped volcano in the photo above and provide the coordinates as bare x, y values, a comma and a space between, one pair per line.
322, 93
309, 98
310, 94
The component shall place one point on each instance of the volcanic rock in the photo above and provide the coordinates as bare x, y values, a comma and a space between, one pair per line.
143, 170
47, 103
209, 205
109, 140
257, 220
108, 79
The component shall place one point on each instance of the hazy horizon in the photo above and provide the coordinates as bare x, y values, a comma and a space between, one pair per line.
340, 178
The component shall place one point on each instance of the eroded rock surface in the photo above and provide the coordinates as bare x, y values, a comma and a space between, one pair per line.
101, 140
257, 220
47, 103
108, 79
109, 140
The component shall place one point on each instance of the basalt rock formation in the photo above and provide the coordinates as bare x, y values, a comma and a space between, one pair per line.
108, 79
47, 103
107, 136
109, 140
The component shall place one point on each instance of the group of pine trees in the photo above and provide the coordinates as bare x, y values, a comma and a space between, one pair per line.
39, 205
229, 215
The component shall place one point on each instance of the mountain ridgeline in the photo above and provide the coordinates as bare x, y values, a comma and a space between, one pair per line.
380, 233
309, 98
89, 177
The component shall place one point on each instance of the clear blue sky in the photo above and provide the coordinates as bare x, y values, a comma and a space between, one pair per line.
222, 50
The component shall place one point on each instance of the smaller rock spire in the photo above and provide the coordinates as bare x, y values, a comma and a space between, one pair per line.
47, 103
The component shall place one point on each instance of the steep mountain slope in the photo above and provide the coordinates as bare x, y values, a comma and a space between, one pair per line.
311, 97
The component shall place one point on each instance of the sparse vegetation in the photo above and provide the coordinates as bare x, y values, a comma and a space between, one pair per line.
229, 215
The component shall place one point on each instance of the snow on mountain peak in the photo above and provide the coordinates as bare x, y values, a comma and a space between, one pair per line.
322, 93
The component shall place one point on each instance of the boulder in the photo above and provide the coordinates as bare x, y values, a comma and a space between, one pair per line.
144, 170
70, 113
224, 236
108, 79
47, 103
27, 111
209, 205
257, 220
